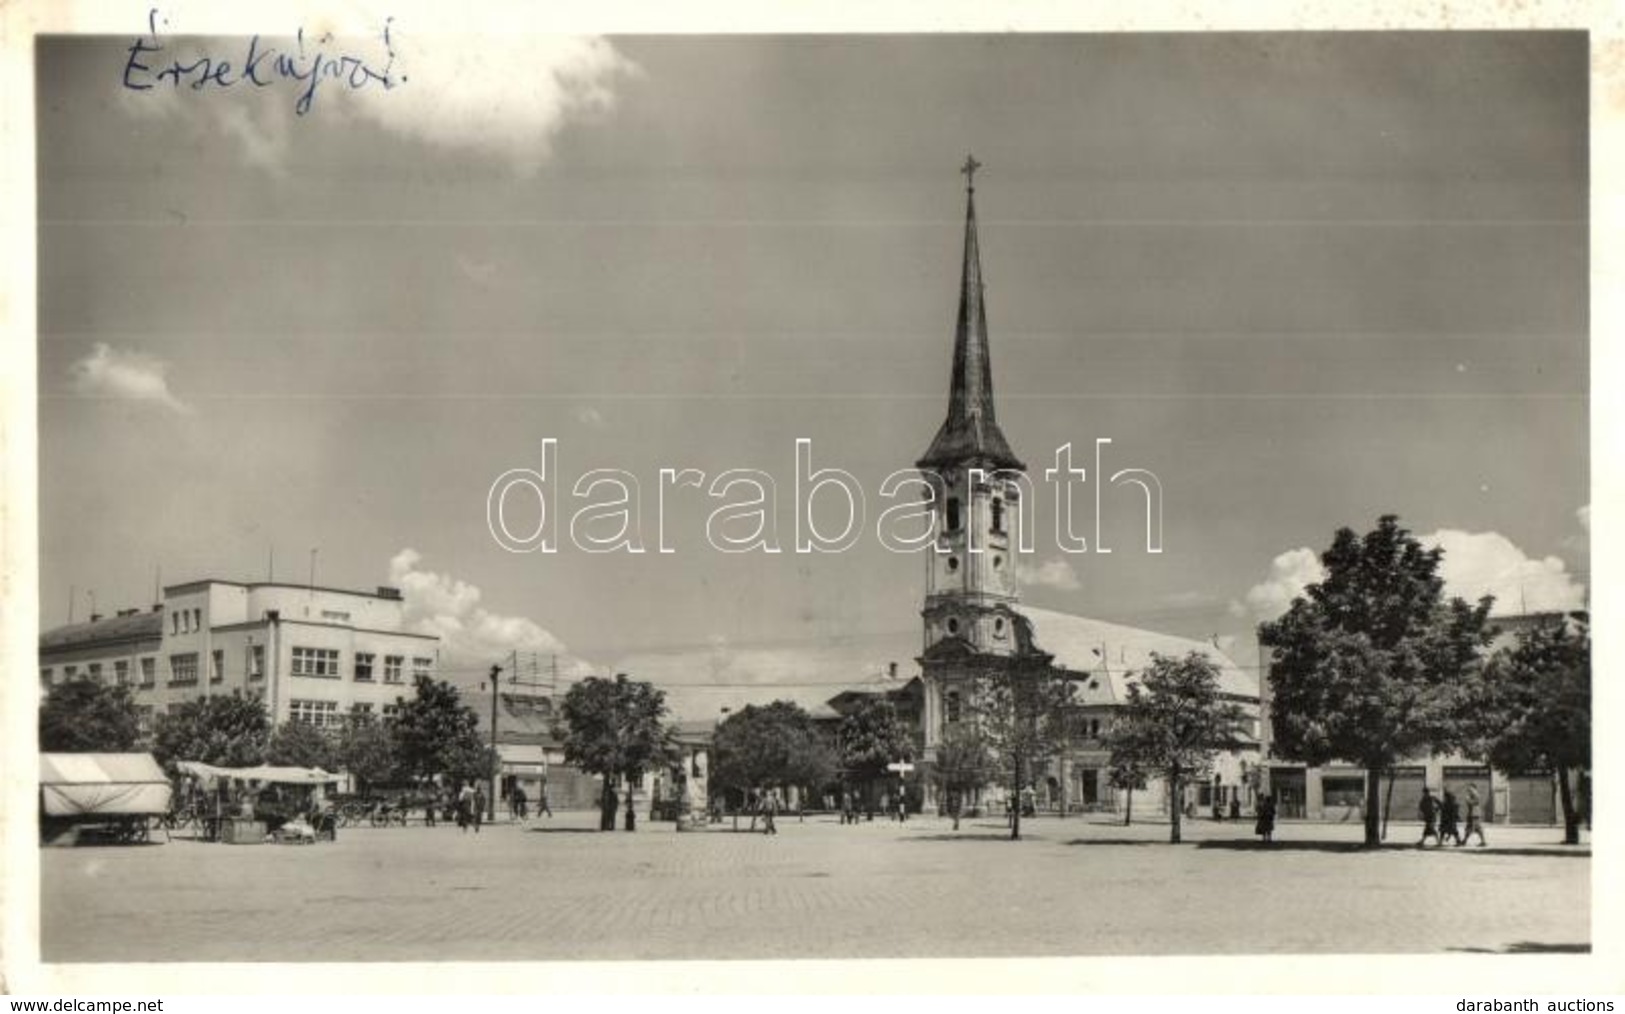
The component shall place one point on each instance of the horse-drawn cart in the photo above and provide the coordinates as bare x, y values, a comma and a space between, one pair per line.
118, 795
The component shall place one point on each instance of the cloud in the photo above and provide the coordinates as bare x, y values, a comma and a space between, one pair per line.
505, 90
1474, 564
507, 95
1290, 573
590, 417
471, 636
113, 373
1488, 563
1054, 573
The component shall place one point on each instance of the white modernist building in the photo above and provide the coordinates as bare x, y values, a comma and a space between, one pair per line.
312, 654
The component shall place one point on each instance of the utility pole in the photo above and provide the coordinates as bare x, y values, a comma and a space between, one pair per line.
496, 760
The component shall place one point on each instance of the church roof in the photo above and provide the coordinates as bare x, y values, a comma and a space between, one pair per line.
1112, 653
971, 432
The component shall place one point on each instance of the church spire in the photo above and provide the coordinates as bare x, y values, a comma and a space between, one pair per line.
970, 435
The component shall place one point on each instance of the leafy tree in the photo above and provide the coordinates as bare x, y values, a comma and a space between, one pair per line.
227, 731
1173, 722
1128, 768
437, 735
613, 728
1369, 664
301, 744
871, 738
83, 716
367, 749
775, 746
963, 765
1531, 708
1023, 711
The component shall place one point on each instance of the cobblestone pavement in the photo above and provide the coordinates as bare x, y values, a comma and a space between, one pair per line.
558, 890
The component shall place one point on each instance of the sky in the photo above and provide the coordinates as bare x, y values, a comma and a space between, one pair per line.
1304, 279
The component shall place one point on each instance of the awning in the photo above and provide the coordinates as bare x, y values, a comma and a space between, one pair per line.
260, 773
92, 783
522, 758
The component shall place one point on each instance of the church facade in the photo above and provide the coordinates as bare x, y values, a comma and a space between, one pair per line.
974, 620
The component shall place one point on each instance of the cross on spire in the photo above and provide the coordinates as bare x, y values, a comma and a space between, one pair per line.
969, 169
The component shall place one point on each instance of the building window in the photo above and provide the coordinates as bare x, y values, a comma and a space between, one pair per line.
96, 671
953, 514
45, 677
392, 668
391, 712
363, 666
953, 705
256, 661
143, 719
953, 625
1343, 790
998, 516
1094, 728
317, 713
183, 668
421, 666
217, 669
323, 662
174, 624
69, 672
335, 615
121, 672
149, 672
197, 619
361, 708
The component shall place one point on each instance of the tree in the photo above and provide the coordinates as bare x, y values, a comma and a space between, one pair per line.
1173, 722
437, 736
1023, 710
613, 728
225, 731
1369, 664
83, 716
774, 746
301, 745
367, 749
871, 738
962, 767
1128, 767
1531, 708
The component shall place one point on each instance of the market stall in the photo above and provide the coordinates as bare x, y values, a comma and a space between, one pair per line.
119, 794
252, 804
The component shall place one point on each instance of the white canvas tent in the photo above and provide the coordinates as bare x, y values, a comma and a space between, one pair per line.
260, 773
90, 784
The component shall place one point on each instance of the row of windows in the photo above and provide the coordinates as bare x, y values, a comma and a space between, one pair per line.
185, 621
324, 714
324, 663
183, 667
954, 707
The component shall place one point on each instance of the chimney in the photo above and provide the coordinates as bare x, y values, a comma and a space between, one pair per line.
891, 670
391, 594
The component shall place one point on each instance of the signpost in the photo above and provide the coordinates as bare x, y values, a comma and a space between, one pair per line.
902, 768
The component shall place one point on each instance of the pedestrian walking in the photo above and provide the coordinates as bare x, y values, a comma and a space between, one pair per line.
542, 804
847, 814
954, 806
1428, 810
1235, 806
465, 806
770, 810
479, 808
1475, 818
902, 807
1449, 813
431, 803
519, 803
1265, 826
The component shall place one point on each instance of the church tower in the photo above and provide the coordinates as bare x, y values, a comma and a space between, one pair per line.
970, 589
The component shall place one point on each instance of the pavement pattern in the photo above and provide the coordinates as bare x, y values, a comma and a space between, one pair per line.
555, 889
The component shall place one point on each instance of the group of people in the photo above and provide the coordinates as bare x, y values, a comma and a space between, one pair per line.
1440, 818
